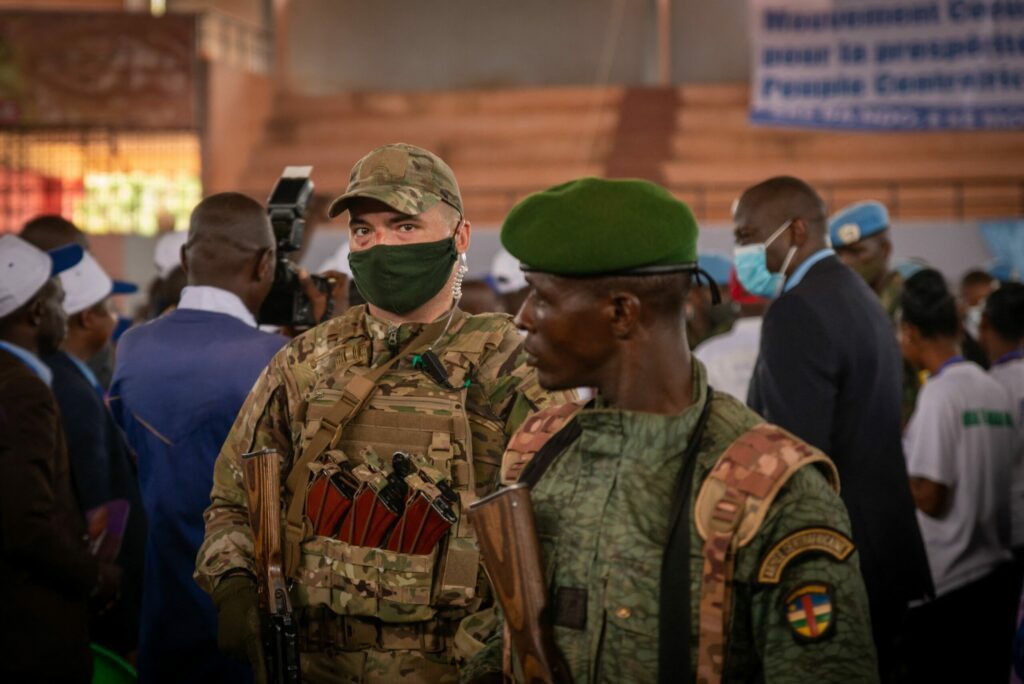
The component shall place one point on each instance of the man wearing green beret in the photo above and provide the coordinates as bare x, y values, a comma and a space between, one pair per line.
408, 372
683, 539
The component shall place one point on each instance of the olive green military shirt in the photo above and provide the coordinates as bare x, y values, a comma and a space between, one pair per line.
501, 393
602, 514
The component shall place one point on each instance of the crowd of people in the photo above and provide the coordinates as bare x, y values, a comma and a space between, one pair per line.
830, 485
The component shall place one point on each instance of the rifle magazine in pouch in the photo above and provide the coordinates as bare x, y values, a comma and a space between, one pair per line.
330, 494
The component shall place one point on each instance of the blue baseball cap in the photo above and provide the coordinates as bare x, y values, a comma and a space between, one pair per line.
123, 287
64, 258
857, 221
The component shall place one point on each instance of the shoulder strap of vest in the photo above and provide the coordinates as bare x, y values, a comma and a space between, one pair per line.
674, 624
731, 507
354, 396
532, 435
467, 350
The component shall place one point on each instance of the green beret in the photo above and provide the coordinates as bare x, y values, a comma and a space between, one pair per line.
594, 227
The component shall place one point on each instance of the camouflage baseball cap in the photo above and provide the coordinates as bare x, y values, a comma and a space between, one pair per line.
407, 178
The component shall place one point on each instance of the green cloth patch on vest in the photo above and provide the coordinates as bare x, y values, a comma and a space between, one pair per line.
810, 611
808, 540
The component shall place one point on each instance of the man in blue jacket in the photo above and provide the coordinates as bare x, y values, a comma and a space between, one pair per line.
178, 385
829, 371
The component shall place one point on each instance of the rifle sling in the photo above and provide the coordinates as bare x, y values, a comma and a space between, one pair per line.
545, 456
674, 609
356, 393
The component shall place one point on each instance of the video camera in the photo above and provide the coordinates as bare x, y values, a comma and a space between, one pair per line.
287, 304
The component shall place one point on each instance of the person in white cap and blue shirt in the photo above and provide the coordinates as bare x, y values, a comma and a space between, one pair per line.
102, 467
47, 574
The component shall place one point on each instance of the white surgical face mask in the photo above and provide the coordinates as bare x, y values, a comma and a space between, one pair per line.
972, 320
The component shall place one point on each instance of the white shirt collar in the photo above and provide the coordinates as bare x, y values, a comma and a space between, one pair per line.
216, 300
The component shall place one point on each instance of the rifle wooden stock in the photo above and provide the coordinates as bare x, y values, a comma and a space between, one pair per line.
507, 534
261, 471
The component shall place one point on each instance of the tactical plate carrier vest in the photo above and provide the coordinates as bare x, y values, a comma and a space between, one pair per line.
423, 419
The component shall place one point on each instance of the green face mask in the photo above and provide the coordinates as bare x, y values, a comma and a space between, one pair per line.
400, 278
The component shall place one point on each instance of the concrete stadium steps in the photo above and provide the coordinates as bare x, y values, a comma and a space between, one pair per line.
715, 153
333, 173
448, 102
756, 143
447, 128
502, 143
897, 169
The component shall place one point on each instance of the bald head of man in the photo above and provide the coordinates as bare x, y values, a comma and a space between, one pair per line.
231, 246
786, 209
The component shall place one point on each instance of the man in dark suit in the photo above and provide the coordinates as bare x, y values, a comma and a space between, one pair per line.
829, 371
46, 572
102, 466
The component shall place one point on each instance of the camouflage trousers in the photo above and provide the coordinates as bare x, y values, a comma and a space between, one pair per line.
373, 666
338, 648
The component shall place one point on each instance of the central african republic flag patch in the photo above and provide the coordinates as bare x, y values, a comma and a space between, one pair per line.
810, 611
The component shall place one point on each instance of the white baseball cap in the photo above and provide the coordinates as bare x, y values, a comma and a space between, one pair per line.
506, 274
167, 254
24, 269
87, 284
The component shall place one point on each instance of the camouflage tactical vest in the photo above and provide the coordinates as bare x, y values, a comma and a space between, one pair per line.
418, 416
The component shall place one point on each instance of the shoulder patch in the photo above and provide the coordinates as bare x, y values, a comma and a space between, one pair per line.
810, 612
808, 540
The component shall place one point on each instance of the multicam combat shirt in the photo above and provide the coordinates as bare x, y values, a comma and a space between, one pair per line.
501, 391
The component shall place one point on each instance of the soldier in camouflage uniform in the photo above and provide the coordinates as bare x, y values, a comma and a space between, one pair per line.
774, 595
365, 614
860, 236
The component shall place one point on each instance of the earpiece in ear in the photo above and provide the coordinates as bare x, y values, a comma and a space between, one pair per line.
459, 277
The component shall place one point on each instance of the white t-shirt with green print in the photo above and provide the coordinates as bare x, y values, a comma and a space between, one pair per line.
962, 435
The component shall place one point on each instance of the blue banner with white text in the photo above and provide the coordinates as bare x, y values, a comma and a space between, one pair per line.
888, 64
